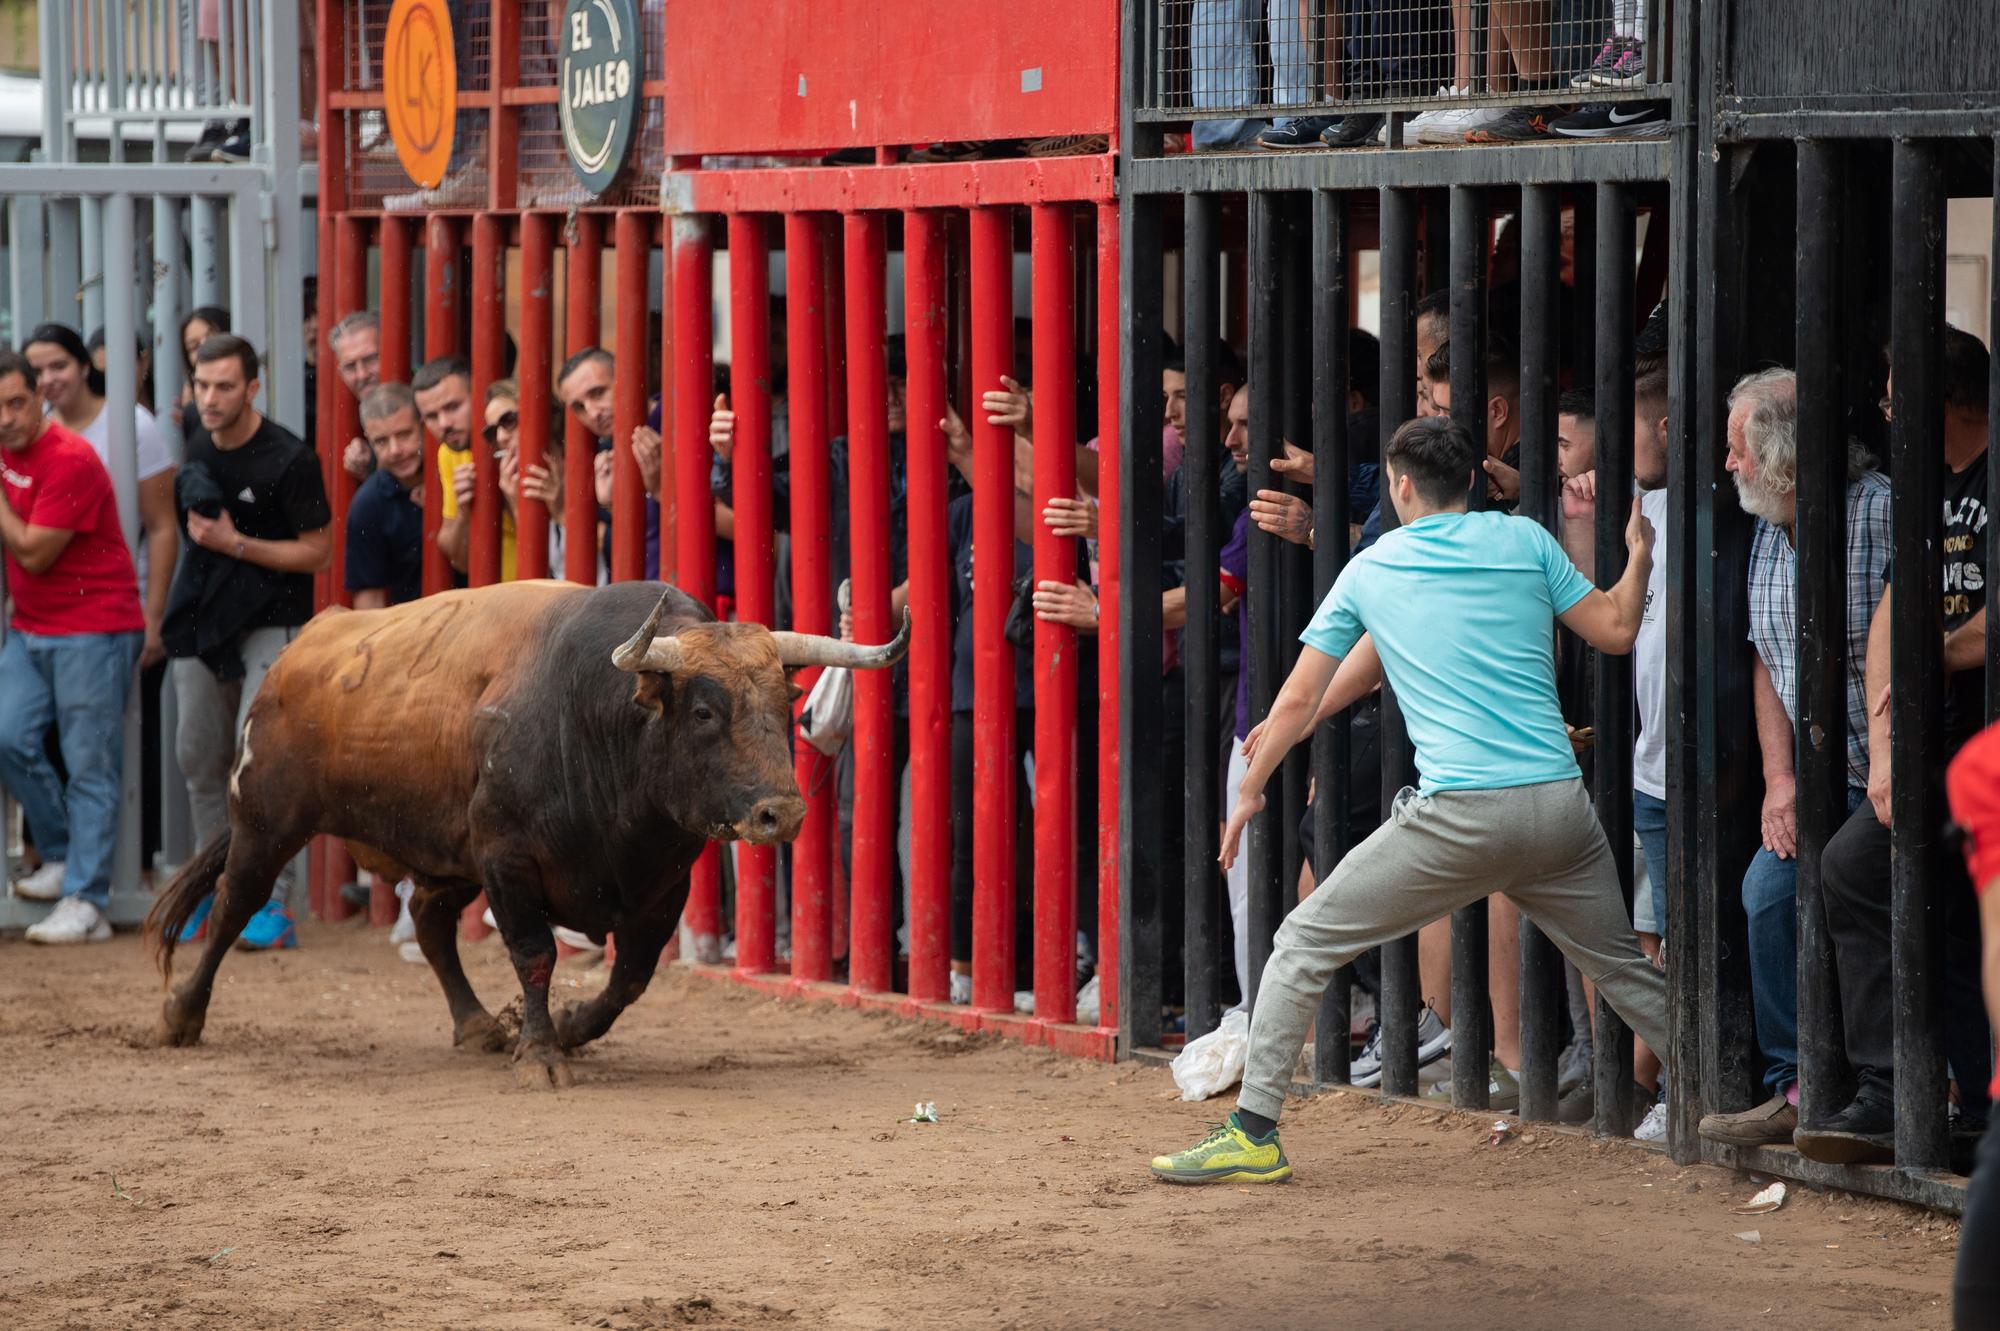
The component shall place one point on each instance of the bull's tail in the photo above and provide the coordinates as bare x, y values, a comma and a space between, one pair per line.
179, 899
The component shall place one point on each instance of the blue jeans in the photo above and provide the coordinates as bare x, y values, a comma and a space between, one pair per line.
1224, 69
1649, 824
1770, 901
78, 683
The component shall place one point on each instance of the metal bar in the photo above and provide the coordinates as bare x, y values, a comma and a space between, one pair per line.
1542, 975
1399, 999
1260, 598
1521, 164
632, 245
393, 239
489, 305
441, 237
812, 584
1614, 711
1110, 624
870, 942
121, 400
534, 372
1052, 236
1916, 442
344, 290
1471, 1024
666, 569
995, 755
1201, 638
90, 290
694, 508
1332, 460
924, 322
583, 317
1820, 525
750, 382
169, 281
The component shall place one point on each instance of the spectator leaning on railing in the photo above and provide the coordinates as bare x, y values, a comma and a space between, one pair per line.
71, 645
356, 344
385, 522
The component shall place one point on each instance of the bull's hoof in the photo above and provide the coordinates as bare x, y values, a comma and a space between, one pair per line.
175, 1030
571, 1026
481, 1034
541, 1069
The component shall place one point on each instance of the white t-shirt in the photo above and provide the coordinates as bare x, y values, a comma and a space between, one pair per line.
154, 456
1649, 661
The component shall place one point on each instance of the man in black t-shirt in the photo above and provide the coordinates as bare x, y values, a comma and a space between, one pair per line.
1855, 866
258, 527
385, 523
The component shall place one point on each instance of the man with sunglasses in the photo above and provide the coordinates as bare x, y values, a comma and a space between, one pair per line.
385, 523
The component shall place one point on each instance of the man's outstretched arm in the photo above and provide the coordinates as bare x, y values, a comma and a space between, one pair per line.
1290, 721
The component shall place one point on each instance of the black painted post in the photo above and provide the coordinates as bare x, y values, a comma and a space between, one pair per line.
1583, 290
1400, 982
1820, 736
1471, 1022
1261, 597
1333, 800
1542, 979
1916, 451
1295, 562
1201, 639
1613, 713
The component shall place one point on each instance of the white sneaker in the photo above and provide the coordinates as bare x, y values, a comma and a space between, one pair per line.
74, 920
44, 884
1653, 1127
1451, 126
404, 930
580, 941
961, 988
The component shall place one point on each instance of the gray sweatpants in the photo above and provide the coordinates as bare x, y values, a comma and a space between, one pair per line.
210, 728
1540, 845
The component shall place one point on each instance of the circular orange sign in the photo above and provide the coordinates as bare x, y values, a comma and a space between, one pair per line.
420, 83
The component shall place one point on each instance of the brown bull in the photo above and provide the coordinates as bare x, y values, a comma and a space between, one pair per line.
520, 739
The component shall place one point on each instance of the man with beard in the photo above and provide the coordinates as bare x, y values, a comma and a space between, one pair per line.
1763, 456
443, 389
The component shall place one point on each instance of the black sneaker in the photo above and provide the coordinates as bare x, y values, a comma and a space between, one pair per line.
1299, 132
1353, 131
1615, 120
235, 148
1523, 124
1864, 1133
213, 132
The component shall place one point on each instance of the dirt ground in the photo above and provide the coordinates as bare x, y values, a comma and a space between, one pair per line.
326, 1160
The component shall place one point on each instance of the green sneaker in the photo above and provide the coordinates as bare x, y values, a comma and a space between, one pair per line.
1226, 1155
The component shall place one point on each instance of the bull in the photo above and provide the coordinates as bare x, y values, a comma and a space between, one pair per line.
523, 740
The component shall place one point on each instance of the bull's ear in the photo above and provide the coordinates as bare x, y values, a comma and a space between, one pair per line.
651, 689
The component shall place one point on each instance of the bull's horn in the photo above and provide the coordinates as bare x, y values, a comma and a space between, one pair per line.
811, 649
643, 651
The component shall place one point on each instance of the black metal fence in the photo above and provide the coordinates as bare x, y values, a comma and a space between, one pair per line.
1822, 253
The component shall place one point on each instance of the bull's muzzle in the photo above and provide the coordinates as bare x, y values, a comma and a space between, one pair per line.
772, 820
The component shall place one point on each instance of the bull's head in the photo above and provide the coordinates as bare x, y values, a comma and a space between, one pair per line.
726, 691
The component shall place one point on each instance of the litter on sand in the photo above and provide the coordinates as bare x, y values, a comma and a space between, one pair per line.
925, 1112
1502, 1130
1751, 1236
1770, 1199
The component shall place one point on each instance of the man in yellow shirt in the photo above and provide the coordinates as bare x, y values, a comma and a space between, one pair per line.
444, 396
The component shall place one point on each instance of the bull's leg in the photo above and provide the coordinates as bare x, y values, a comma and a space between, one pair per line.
255, 858
531, 946
436, 908
639, 948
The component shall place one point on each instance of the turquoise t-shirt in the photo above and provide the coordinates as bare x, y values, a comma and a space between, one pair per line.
1462, 608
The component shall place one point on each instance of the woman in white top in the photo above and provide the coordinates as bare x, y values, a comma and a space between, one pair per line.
74, 389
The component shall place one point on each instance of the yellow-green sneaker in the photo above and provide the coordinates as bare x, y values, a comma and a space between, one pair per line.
1226, 1155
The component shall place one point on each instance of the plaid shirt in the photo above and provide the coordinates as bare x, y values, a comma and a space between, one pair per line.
1774, 624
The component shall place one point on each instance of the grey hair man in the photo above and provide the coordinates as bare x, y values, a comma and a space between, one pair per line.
356, 343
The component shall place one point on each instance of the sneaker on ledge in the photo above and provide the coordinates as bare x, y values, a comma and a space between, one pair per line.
44, 884
1615, 49
1615, 120
1297, 132
1653, 1127
74, 920
1627, 71
1521, 124
1356, 130
1769, 1124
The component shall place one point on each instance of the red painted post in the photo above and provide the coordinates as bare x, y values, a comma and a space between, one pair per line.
925, 329
834, 275
1108, 661
694, 507
1054, 249
489, 309
633, 241
534, 370
812, 585
993, 754
750, 382
586, 278
440, 339
669, 548
871, 952
392, 237
349, 293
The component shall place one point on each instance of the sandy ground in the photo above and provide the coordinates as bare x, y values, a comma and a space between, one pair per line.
326, 1160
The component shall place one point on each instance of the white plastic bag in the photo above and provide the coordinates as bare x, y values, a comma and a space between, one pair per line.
1212, 1063
1087, 1003
828, 717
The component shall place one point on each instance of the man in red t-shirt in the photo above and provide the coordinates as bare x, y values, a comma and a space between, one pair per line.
1973, 784
72, 640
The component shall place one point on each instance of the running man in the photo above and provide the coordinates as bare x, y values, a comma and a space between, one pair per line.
1458, 609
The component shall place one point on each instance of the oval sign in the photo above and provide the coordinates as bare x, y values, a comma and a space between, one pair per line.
420, 87
602, 69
